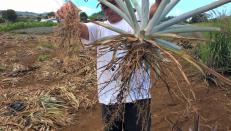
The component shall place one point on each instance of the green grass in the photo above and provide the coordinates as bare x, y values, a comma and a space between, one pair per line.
47, 45
219, 50
23, 25
204, 51
42, 58
2, 68
217, 53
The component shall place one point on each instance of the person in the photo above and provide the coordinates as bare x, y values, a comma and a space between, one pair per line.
107, 94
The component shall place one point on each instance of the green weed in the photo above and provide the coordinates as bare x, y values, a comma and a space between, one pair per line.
217, 52
43, 58
47, 45
23, 25
2, 68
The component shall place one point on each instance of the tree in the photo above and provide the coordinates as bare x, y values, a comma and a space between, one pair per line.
50, 15
38, 18
2, 20
9, 15
98, 16
199, 18
83, 17
168, 18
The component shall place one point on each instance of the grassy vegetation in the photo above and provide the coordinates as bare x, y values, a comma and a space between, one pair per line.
203, 51
2, 68
217, 53
43, 58
48, 45
224, 23
23, 25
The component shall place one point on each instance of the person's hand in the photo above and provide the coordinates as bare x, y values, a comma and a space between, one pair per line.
69, 13
67, 8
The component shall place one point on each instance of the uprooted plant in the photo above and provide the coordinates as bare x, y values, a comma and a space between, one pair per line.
148, 47
135, 55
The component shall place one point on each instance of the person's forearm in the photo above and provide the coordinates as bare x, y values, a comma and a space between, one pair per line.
154, 8
83, 31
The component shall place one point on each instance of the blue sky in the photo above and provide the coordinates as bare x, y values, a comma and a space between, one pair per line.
40, 6
182, 6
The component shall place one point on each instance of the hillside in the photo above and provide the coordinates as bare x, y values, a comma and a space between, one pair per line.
28, 14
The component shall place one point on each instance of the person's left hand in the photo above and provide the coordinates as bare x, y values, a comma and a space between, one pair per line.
66, 9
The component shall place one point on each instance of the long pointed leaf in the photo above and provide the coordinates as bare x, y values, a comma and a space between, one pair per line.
168, 44
137, 7
190, 14
190, 29
168, 8
124, 8
118, 11
156, 18
133, 16
145, 14
110, 27
173, 36
162, 48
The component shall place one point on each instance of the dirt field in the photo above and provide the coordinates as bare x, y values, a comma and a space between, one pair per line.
32, 64
213, 106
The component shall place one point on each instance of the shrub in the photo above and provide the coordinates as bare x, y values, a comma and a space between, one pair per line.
83, 17
217, 53
220, 52
9, 15
2, 20
199, 18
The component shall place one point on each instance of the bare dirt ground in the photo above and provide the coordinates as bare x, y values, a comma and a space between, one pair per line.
213, 106
31, 65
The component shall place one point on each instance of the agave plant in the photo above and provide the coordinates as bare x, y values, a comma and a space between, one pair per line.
149, 43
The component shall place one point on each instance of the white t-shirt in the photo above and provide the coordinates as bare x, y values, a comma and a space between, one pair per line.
107, 94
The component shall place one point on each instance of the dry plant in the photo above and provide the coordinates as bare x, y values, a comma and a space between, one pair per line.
47, 109
76, 58
68, 30
42, 112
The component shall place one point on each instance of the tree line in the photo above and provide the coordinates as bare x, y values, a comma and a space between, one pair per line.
11, 16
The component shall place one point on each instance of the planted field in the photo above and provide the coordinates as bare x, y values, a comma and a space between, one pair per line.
23, 25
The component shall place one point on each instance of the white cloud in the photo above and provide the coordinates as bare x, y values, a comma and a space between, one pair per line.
178, 12
88, 10
38, 6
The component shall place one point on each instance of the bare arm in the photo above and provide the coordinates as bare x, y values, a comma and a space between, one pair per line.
154, 8
84, 33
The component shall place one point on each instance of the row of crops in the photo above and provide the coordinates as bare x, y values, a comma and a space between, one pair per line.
22, 25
